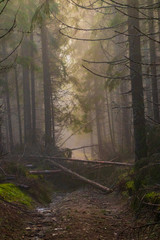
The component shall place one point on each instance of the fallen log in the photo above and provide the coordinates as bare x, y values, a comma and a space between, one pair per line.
30, 166
44, 171
22, 186
122, 164
10, 177
68, 171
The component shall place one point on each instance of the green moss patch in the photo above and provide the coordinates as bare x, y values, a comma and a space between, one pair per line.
152, 197
11, 193
130, 187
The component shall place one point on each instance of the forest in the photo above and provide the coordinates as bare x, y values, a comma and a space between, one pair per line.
80, 119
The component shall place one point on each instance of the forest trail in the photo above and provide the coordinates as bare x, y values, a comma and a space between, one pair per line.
85, 214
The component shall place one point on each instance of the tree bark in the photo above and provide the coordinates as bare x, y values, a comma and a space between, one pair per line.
98, 125
7, 96
153, 57
8, 112
109, 121
126, 118
136, 80
33, 92
49, 137
18, 108
26, 95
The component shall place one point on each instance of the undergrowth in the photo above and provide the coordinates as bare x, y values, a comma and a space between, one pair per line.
38, 188
142, 186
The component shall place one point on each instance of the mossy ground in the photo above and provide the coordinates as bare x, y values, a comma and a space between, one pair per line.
141, 186
16, 202
11, 193
39, 189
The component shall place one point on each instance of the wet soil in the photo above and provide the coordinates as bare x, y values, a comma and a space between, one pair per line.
12, 224
85, 214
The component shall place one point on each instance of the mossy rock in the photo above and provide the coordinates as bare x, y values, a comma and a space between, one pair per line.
11, 193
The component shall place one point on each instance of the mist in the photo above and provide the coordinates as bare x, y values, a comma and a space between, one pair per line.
79, 119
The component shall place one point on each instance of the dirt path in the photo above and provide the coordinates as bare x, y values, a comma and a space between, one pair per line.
80, 215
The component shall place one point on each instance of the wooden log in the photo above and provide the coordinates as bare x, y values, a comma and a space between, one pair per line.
88, 181
30, 166
44, 171
120, 164
10, 177
22, 186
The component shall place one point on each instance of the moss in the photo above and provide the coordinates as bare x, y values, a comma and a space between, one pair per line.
125, 182
32, 176
130, 187
152, 197
126, 175
11, 193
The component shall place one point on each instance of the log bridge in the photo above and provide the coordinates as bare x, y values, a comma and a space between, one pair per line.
60, 168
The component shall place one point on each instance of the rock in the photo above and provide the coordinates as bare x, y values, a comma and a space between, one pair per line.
45, 229
30, 223
47, 220
36, 229
28, 228
41, 234
58, 229
54, 234
36, 238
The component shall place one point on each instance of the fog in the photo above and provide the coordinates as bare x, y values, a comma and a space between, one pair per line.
69, 70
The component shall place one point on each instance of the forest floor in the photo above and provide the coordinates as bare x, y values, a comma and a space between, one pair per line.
84, 214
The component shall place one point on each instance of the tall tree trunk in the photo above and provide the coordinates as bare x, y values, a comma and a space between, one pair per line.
18, 108
147, 80
26, 95
149, 97
158, 9
112, 117
7, 133
53, 119
99, 137
7, 96
103, 121
92, 143
1, 144
152, 47
33, 92
126, 118
136, 80
49, 137
98, 125
8, 112
109, 121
